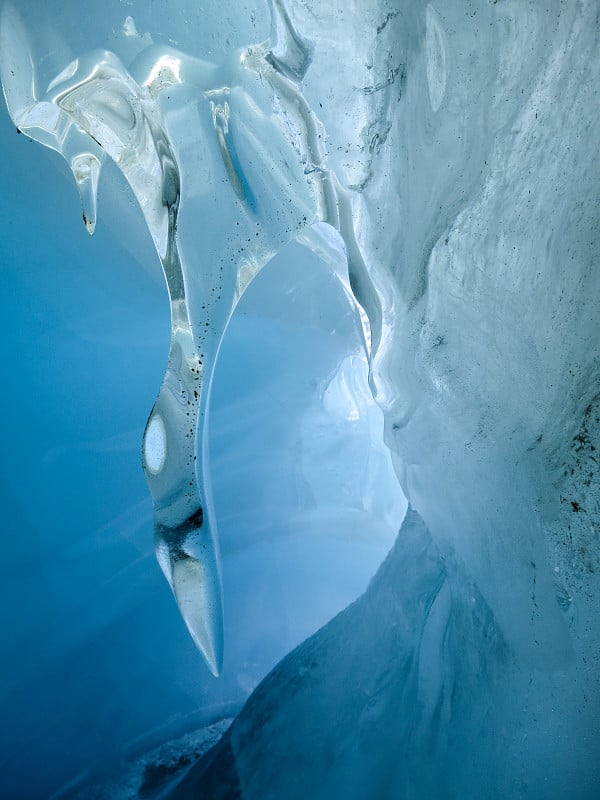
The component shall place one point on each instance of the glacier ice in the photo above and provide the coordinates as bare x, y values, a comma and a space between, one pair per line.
440, 159
148, 120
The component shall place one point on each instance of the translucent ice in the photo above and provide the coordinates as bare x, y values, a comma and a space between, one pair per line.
441, 159
149, 120
476, 162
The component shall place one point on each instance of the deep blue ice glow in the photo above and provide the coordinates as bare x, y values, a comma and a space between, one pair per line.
87, 619
413, 181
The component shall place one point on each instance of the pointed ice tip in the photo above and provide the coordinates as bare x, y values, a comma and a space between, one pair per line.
208, 639
197, 587
214, 665
90, 224
210, 646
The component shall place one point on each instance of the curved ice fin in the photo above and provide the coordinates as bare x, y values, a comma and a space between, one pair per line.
184, 529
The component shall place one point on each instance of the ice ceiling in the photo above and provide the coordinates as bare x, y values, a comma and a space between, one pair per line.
423, 179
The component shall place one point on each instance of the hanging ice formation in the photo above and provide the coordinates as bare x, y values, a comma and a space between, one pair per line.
163, 108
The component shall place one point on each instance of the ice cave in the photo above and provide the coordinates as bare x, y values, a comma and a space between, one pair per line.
300, 463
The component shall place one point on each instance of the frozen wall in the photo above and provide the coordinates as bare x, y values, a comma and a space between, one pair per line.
479, 179
443, 155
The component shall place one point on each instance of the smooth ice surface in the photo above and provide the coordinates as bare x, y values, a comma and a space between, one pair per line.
468, 130
439, 159
178, 128
88, 622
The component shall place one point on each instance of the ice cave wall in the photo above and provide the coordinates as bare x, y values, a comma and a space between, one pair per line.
464, 135
478, 215
479, 182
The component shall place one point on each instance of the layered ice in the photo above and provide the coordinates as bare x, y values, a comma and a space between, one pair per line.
440, 160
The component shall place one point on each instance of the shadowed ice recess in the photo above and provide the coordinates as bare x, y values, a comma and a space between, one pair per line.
391, 202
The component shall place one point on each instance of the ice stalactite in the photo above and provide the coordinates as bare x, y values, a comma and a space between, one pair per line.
457, 198
149, 118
